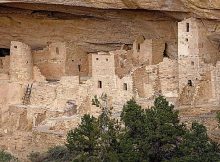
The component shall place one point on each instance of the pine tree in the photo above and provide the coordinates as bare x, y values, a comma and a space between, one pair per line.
85, 140
197, 147
96, 139
152, 135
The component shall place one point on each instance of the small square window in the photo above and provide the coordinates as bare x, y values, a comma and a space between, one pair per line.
106, 59
125, 86
15, 47
97, 58
190, 83
99, 84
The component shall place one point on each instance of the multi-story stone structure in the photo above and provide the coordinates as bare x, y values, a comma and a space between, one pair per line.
197, 60
65, 78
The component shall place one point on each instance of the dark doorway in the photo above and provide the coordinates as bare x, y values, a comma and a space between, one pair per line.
125, 86
138, 47
79, 68
165, 51
99, 84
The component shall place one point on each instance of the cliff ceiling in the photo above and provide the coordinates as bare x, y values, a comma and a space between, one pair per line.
201, 8
104, 25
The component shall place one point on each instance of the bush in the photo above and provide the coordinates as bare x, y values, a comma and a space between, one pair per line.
7, 157
58, 153
54, 154
35, 157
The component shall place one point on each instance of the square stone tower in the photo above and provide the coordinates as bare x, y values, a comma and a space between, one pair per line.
197, 58
188, 53
102, 71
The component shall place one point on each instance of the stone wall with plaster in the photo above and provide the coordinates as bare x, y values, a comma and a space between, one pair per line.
4, 64
76, 61
168, 76
21, 62
124, 62
196, 60
51, 60
148, 51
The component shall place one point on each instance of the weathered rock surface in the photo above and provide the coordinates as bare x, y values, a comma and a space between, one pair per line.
205, 8
92, 25
92, 29
101, 25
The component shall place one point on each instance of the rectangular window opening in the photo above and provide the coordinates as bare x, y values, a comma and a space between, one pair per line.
138, 47
57, 50
125, 86
79, 68
187, 27
99, 84
4, 52
190, 83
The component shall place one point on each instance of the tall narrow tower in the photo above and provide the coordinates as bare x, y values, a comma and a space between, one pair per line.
188, 53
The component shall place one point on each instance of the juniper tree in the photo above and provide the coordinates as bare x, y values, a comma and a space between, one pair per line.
96, 138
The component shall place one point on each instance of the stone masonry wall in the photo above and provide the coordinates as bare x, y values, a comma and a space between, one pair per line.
21, 62
51, 60
123, 62
188, 53
196, 57
4, 64
76, 61
148, 51
168, 76
158, 47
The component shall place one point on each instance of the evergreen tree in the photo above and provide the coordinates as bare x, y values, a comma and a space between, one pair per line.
152, 135
163, 131
96, 139
197, 147
156, 135
85, 140
134, 119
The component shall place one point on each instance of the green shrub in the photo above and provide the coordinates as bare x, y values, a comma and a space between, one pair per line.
58, 153
54, 154
35, 157
7, 157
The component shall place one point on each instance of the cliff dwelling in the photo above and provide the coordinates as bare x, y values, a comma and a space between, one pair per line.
54, 58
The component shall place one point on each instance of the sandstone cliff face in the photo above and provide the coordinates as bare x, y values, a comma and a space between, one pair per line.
94, 25
90, 28
204, 8
101, 25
